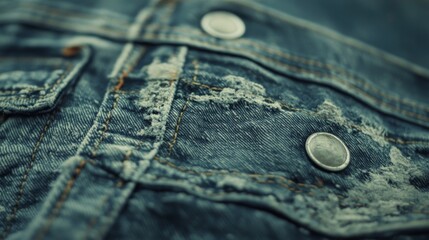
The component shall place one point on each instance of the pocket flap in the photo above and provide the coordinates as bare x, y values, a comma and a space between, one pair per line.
33, 79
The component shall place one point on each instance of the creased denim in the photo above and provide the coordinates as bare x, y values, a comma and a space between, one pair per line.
125, 120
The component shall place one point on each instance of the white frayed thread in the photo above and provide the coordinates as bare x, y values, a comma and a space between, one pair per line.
389, 189
328, 110
231, 181
239, 89
369, 203
157, 95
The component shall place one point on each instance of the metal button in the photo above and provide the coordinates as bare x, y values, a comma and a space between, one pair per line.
327, 151
223, 25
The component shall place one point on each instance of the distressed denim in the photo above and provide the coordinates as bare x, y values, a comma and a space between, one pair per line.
125, 120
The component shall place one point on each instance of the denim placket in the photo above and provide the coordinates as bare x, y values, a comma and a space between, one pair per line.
93, 186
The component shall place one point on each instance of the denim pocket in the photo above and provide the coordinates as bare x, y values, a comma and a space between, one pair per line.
33, 79
236, 134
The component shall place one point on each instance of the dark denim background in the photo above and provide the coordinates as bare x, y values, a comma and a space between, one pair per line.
125, 120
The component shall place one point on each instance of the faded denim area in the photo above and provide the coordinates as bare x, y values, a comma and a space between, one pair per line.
128, 121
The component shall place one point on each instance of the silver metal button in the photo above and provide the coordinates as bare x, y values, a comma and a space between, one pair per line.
327, 151
223, 25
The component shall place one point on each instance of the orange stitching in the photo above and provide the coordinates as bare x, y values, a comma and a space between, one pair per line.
279, 53
121, 81
182, 112
105, 126
119, 84
126, 22
61, 200
77, 172
129, 67
408, 113
357, 127
71, 51
301, 60
196, 65
150, 35
176, 132
23, 182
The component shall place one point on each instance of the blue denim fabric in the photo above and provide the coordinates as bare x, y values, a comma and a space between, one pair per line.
125, 120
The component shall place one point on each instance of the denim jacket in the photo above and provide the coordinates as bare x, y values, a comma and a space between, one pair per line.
129, 120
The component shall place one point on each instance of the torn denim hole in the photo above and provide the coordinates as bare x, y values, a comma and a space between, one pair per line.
238, 89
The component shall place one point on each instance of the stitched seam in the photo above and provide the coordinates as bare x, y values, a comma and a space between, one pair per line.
120, 83
16, 206
288, 107
211, 172
57, 83
94, 220
344, 72
51, 88
224, 193
58, 205
29, 89
34, 89
152, 35
77, 171
298, 59
195, 63
307, 61
295, 189
121, 22
392, 107
105, 126
120, 183
233, 172
176, 131
182, 112
148, 34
